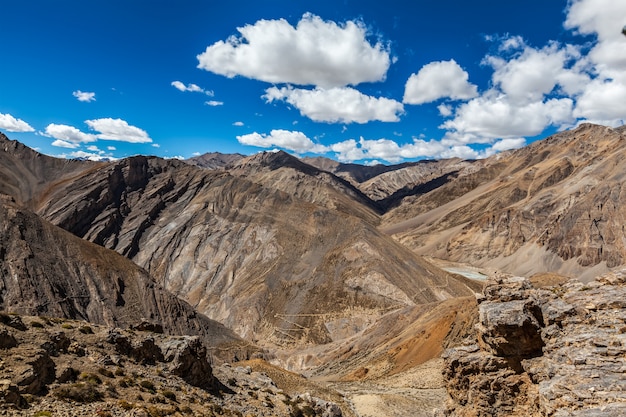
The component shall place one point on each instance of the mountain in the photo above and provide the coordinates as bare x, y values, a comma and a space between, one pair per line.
556, 205
284, 172
387, 184
214, 160
45, 270
276, 264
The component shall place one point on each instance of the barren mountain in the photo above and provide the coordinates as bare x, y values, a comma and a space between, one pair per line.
279, 170
388, 184
556, 205
45, 270
214, 160
267, 263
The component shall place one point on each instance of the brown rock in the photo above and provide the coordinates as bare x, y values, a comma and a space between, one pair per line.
187, 358
37, 371
7, 340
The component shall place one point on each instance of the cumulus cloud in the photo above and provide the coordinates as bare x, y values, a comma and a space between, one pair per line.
532, 74
68, 136
91, 156
390, 151
509, 143
238, 124
337, 105
603, 18
84, 96
445, 110
65, 144
495, 116
214, 103
602, 98
119, 130
436, 80
194, 88
286, 139
11, 124
314, 52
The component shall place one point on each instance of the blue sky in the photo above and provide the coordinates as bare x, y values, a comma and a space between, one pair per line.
355, 80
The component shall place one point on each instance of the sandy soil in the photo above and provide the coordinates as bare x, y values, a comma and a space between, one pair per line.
413, 393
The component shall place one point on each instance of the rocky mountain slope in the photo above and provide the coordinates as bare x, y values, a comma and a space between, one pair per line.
272, 265
45, 270
551, 351
390, 183
555, 205
320, 265
74, 368
214, 160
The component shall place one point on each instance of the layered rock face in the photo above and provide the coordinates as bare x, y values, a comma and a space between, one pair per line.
557, 351
45, 270
556, 205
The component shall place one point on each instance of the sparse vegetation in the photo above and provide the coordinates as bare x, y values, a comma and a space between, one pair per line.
36, 324
106, 372
147, 384
85, 329
125, 405
80, 392
170, 395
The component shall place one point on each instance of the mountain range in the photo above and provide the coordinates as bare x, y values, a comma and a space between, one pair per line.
337, 270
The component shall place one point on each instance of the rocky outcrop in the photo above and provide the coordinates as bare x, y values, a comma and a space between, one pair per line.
187, 358
557, 351
124, 372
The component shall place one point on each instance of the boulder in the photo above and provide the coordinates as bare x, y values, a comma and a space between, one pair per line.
187, 358
511, 328
7, 340
36, 373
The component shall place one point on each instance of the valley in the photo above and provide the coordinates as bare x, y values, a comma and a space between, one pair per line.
356, 280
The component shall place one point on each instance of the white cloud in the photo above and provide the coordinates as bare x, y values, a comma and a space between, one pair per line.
291, 140
315, 52
68, 136
156, 145
94, 148
531, 75
337, 105
119, 130
214, 103
442, 79
603, 101
84, 96
111, 148
509, 143
605, 19
238, 124
390, 151
65, 144
11, 124
495, 116
194, 88
445, 110
92, 156
348, 151
602, 97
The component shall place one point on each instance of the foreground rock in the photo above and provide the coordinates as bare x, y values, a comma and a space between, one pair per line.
558, 351
72, 368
